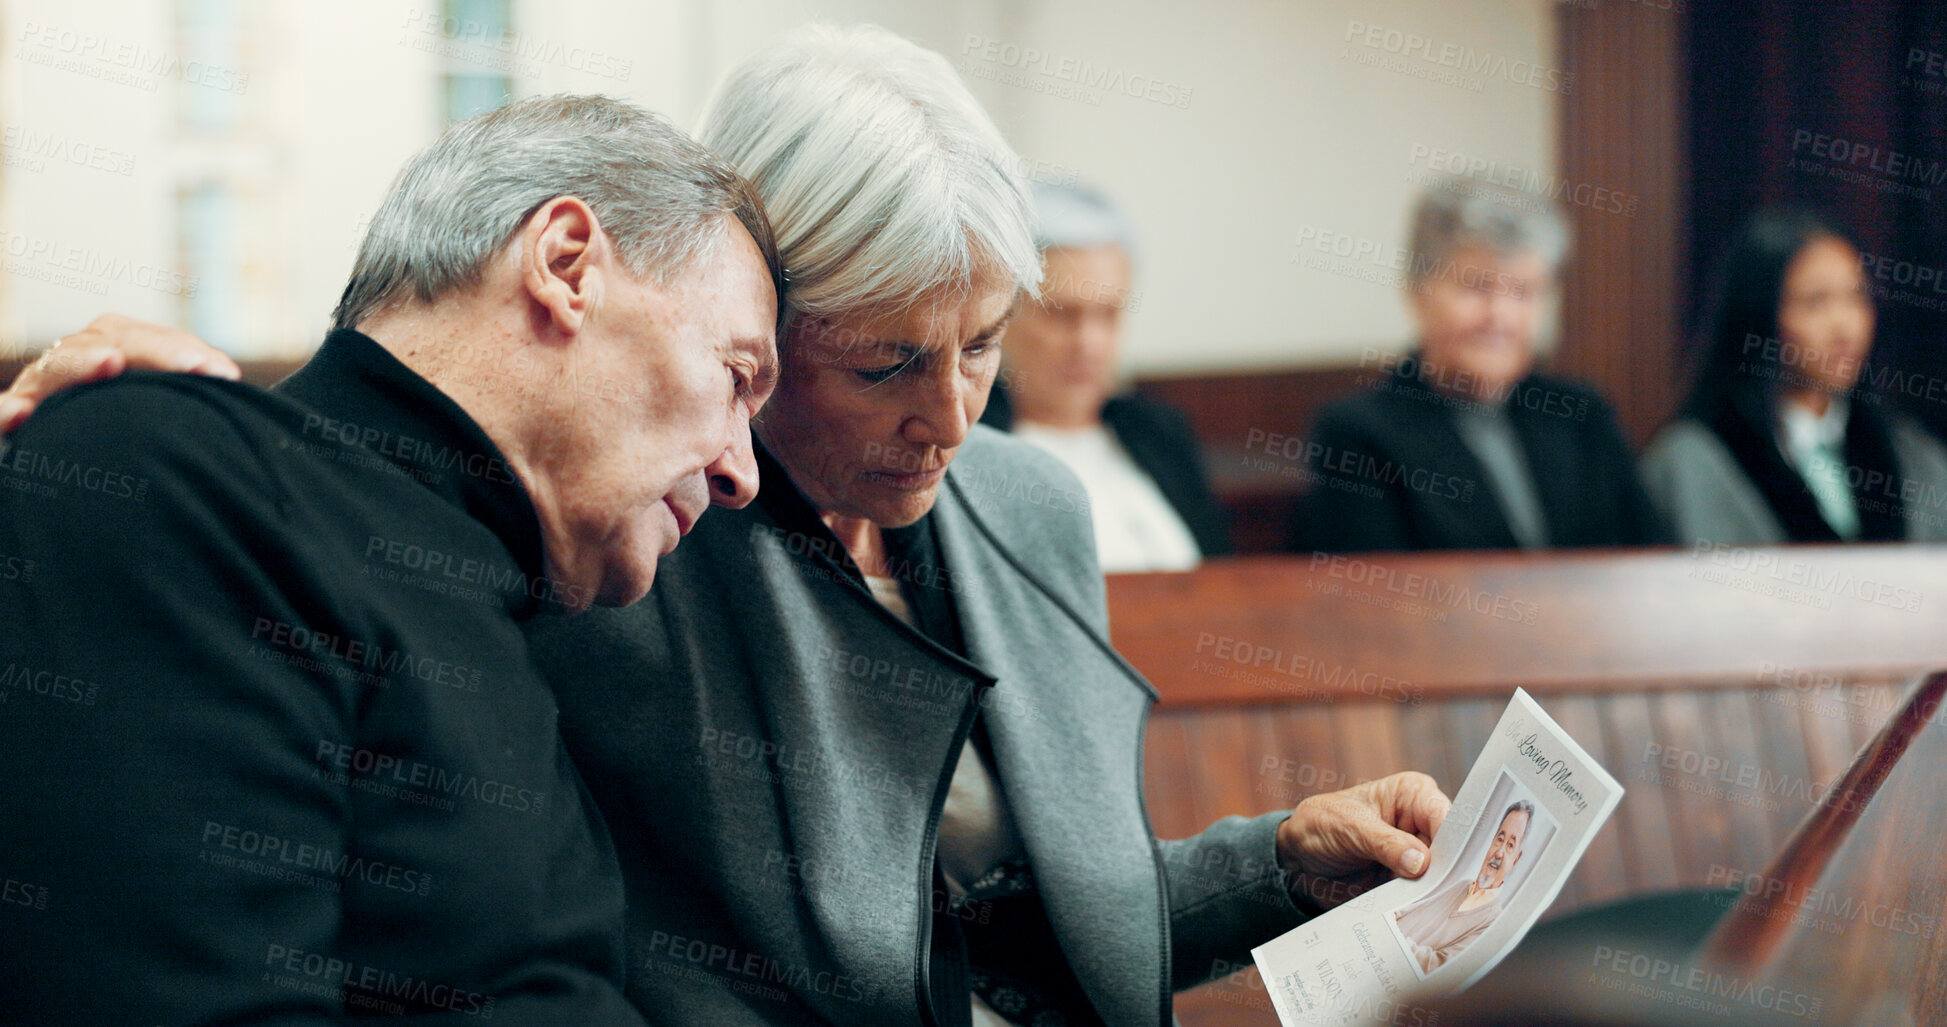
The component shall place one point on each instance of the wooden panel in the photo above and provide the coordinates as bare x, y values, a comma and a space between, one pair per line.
1715, 814
1774, 717
1234, 416
1226, 784
1601, 876
1425, 735
1746, 755
1227, 408
1673, 682
1698, 799
1395, 626
1169, 779
1624, 128
1369, 740
1855, 873
1644, 816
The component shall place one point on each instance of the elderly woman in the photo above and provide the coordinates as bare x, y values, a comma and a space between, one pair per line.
1778, 441
1138, 459
866, 753
1461, 444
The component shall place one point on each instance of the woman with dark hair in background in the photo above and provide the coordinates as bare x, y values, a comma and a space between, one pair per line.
1778, 441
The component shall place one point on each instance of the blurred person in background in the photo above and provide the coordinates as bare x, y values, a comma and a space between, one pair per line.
1138, 459
1461, 443
1779, 440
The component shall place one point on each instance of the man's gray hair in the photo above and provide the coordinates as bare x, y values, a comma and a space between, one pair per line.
1074, 217
885, 179
661, 198
1521, 806
1464, 213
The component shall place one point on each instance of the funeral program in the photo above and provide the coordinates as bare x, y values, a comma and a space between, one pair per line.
1528, 809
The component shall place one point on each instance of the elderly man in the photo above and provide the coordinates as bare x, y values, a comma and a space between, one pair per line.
1461, 444
1151, 505
1442, 924
272, 743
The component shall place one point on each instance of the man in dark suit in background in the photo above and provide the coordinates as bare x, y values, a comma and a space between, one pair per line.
1461, 444
1138, 459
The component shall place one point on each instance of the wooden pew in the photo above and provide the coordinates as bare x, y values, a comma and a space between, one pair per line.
1726, 688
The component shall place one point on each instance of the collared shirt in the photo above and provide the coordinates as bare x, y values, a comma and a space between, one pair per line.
1815, 446
1490, 436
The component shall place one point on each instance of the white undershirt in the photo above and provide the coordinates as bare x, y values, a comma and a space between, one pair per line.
1815, 445
1136, 529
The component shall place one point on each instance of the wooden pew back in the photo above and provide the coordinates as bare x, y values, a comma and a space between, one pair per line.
1726, 688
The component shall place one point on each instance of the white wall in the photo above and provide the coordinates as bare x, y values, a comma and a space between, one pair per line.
1259, 128
1283, 134
53, 212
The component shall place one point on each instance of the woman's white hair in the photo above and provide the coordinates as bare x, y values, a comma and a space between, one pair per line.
885, 181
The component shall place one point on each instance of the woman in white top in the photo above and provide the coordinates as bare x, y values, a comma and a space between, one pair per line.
1782, 439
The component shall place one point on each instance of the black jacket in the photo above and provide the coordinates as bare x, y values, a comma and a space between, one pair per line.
1161, 442
1743, 422
272, 747
1388, 470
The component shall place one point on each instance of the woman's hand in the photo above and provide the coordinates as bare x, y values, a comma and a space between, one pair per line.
109, 345
1363, 835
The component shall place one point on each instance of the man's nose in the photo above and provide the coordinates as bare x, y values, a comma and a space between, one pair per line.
733, 474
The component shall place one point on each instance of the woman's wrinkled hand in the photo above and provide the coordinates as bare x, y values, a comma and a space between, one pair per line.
1365, 834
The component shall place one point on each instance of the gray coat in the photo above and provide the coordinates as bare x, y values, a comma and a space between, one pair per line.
771, 749
1706, 497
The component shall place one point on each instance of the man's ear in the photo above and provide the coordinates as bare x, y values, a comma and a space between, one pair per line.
561, 248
